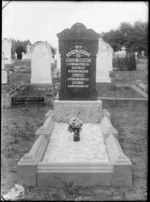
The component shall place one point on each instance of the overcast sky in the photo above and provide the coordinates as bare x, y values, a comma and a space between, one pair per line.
41, 21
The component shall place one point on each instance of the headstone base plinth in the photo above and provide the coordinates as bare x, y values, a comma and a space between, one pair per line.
103, 80
87, 111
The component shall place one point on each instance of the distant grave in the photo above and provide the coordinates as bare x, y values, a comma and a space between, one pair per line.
103, 62
41, 64
6, 49
78, 47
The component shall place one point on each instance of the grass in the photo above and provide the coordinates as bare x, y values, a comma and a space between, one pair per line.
19, 125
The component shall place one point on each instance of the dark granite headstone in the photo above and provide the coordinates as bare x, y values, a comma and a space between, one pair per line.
78, 47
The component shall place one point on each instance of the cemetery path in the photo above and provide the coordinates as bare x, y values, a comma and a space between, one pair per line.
18, 129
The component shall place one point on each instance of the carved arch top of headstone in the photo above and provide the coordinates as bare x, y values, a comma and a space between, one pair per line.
78, 30
41, 43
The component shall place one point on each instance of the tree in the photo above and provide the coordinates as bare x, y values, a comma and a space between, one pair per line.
19, 47
133, 37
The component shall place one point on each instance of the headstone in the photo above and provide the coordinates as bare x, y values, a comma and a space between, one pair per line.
143, 52
4, 77
23, 56
6, 49
78, 47
121, 54
103, 62
28, 53
15, 55
58, 59
41, 63
136, 53
3, 61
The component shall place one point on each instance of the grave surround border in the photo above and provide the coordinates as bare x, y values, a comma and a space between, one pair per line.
32, 171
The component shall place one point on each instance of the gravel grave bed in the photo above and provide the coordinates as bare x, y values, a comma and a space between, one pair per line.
62, 147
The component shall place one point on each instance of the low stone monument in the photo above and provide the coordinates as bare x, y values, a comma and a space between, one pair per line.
103, 62
41, 63
6, 49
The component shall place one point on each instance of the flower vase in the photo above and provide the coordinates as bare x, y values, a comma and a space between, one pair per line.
76, 136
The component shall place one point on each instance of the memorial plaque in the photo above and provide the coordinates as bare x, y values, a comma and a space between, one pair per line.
78, 48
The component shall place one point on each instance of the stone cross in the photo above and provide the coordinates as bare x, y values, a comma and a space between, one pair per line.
142, 52
136, 53
123, 48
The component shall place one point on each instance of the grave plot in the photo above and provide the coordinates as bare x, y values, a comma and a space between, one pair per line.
96, 158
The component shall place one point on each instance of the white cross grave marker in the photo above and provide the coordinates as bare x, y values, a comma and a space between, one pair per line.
123, 48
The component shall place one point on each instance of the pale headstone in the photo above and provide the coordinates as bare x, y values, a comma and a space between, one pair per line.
15, 55
23, 56
28, 53
110, 57
58, 58
103, 62
121, 54
3, 61
41, 63
4, 77
143, 52
136, 53
6, 49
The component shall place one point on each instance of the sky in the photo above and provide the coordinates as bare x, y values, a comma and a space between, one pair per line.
42, 20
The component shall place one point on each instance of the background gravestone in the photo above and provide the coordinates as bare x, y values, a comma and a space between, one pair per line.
78, 47
41, 63
6, 49
28, 53
103, 62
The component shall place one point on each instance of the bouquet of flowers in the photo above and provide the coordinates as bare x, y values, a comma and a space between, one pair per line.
75, 125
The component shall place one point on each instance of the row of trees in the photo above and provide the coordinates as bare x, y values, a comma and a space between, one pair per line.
20, 46
133, 37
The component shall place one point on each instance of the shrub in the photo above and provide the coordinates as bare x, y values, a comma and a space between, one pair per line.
127, 63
